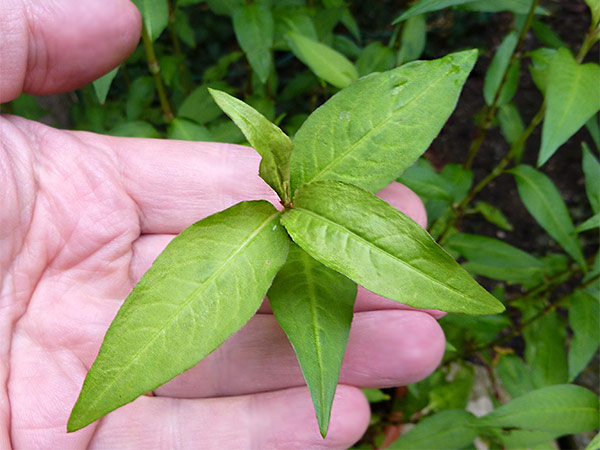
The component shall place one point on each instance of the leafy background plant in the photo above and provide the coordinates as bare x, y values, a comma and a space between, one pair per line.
529, 233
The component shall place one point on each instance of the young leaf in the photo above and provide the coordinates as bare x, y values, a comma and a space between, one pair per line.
498, 66
377, 246
515, 375
370, 132
544, 202
546, 35
155, 14
444, 430
253, 26
567, 409
199, 105
325, 62
102, 85
591, 169
186, 130
594, 6
375, 57
572, 96
493, 215
204, 286
267, 139
314, 306
412, 43
459, 181
590, 224
511, 125
584, 320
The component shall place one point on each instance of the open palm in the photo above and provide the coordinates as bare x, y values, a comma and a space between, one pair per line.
82, 218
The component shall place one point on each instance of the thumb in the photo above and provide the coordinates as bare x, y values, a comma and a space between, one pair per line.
55, 46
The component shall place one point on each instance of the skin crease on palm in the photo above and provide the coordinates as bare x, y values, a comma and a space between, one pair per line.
83, 216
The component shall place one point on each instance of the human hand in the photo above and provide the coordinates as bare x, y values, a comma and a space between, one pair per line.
82, 218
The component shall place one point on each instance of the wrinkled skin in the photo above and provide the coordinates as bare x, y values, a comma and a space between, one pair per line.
83, 216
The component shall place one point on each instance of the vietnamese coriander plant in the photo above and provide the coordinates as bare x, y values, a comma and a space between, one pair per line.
331, 233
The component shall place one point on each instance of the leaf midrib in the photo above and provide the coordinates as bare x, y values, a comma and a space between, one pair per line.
371, 130
184, 305
385, 252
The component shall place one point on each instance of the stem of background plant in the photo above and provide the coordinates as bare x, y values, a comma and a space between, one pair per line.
186, 77
491, 111
154, 69
591, 37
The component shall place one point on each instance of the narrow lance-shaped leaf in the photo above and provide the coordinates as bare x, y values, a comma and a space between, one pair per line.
544, 202
567, 409
314, 306
589, 224
591, 170
253, 26
325, 62
498, 67
377, 246
572, 96
268, 140
373, 130
584, 319
155, 14
595, 10
204, 286
102, 85
414, 35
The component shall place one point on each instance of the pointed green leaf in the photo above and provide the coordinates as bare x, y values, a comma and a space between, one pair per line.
572, 96
515, 375
595, 10
498, 66
493, 215
325, 62
590, 224
373, 130
426, 182
593, 127
544, 202
375, 57
412, 41
253, 26
512, 127
591, 170
584, 320
567, 409
546, 35
594, 443
199, 105
102, 85
539, 69
204, 286
377, 246
268, 140
444, 430
155, 14
314, 306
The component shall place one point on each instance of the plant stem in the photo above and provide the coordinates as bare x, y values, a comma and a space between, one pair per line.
186, 77
591, 37
154, 69
491, 111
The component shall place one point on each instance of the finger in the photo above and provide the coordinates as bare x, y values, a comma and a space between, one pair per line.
385, 348
274, 420
59, 45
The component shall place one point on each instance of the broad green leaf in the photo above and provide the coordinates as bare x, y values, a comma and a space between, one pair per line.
459, 181
412, 40
426, 182
595, 10
155, 14
572, 96
102, 85
527, 277
141, 95
375, 57
267, 139
590, 224
493, 215
135, 128
544, 202
515, 375
539, 69
591, 170
498, 66
253, 26
314, 306
444, 430
186, 130
545, 350
199, 105
565, 409
325, 62
584, 320
526, 439
594, 443
372, 131
377, 246
425, 6
203, 287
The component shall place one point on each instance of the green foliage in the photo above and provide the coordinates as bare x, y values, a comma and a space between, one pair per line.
361, 111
